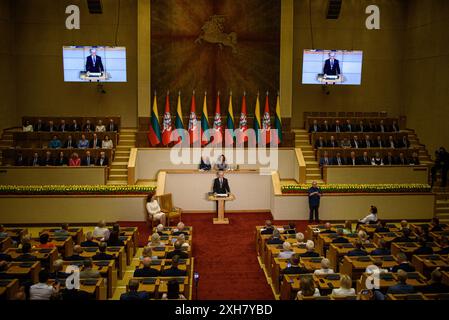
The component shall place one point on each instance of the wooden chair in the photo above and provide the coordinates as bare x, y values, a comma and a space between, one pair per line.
166, 204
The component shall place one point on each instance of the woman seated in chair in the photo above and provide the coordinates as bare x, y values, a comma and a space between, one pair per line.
154, 211
221, 164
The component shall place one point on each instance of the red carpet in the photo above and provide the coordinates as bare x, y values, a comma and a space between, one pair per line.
225, 255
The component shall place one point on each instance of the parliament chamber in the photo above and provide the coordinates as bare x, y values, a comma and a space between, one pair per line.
262, 151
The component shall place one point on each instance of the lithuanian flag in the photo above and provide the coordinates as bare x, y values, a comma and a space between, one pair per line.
277, 138
155, 130
205, 137
179, 124
229, 139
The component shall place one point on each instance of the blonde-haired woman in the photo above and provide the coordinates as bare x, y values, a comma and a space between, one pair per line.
345, 287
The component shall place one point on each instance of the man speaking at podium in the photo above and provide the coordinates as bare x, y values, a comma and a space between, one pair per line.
93, 63
331, 65
221, 185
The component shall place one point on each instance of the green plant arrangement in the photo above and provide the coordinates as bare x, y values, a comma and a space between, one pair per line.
76, 190
359, 188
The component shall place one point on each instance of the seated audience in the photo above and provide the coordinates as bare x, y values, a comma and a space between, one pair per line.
88, 272
333, 143
58, 274
42, 290
310, 246
314, 127
435, 284
221, 163
352, 160
444, 244
174, 271
26, 253
177, 252
205, 164
414, 160
35, 160
293, 266
401, 287
27, 127
275, 238
320, 143
327, 228
21, 160
394, 126
435, 225
44, 242
268, 228
48, 161
75, 160
391, 143
112, 126
89, 241
95, 143
382, 250
345, 287
356, 143
75, 126
325, 160
3, 233
402, 160
363, 237
61, 160
348, 228
63, 231
114, 240
102, 255
83, 143
180, 228
389, 159
364, 159
62, 126
146, 270
69, 144
308, 289
100, 127
345, 143
299, 240
376, 268
39, 126
287, 251
405, 237
76, 256
371, 218
340, 237
424, 247
325, 267
338, 160
156, 241
133, 294
358, 251
160, 230
51, 126
88, 160
107, 143
173, 291
154, 210
377, 160
381, 226
88, 127
404, 264
101, 232
55, 143
102, 160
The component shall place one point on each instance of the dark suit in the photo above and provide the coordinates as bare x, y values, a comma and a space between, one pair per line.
368, 144
134, 296
310, 254
380, 144
96, 144
88, 127
364, 161
401, 289
267, 231
48, 162
94, 67
84, 162
75, 257
359, 144
326, 128
314, 128
39, 127
333, 144
407, 267
295, 270
63, 128
35, 162
51, 128
146, 272
173, 272
352, 162
221, 188
25, 257
180, 253
357, 253
389, 160
380, 252
275, 241
70, 144
61, 161
89, 243
330, 161
320, 143
340, 240
331, 69
21, 161
111, 127
402, 161
75, 128
103, 256
423, 250
105, 162
342, 161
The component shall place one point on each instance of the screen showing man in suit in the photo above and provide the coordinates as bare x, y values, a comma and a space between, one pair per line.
332, 67
94, 64
221, 185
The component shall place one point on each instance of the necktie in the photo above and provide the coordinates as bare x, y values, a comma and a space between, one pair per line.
94, 60
339, 161
88, 161
356, 144
353, 162
338, 129
326, 161
368, 144
111, 127
221, 183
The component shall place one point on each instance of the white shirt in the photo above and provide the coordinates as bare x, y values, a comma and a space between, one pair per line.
153, 207
369, 218
101, 128
100, 232
375, 270
323, 271
285, 254
41, 291
107, 144
315, 294
341, 292
28, 128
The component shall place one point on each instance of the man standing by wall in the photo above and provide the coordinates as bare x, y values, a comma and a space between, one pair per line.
314, 201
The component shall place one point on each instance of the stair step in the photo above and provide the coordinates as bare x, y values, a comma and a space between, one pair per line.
118, 177
117, 182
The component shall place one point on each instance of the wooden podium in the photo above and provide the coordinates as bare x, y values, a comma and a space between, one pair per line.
221, 204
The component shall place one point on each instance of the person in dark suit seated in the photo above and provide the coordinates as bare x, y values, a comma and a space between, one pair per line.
382, 250
402, 160
331, 65
444, 244
325, 160
402, 287
389, 160
63, 127
327, 228
310, 253
146, 271
320, 143
394, 126
88, 127
5, 257
21, 160
294, 267
348, 127
358, 251
39, 126
76, 256
381, 226
435, 225
63, 231
371, 126
93, 62
435, 284
35, 161
290, 228
404, 264
356, 143
133, 294
205, 164
424, 248
51, 127
48, 160
361, 127
405, 237
70, 143
338, 160
333, 143
102, 160
367, 142
383, 127
365, 159
95, 143
391, 143
180, 229
337, 127
340, 237
3, 268
89, 243
58, 273
26, 253
379, 143
174, 271
352, 160
75, 126
404, 143
177, 252
114, 239
275, 238
315, 127
268, 228
424, 234
326, 127
112, 126
102, 255
88, 160
61, 160
414, 160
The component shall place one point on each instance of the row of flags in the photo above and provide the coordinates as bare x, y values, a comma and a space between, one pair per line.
217, 133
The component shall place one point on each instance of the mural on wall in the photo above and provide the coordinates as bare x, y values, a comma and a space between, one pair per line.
215, 45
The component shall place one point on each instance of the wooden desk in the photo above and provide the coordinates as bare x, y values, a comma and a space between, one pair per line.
273, 251
24, 270
386, 236
325, 239
412, 296
119, 257
5, 243
291, 284
8, 288
157, 286
409, 247
75, 233
370, 229
64, 244
338, 250
134, 233
356, 266
221, 210
45, 256
16, 233
416, 279
96, 289
425, 264
313, 230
